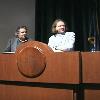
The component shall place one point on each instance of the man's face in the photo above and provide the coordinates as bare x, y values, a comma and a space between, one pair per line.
22, 33
60, 27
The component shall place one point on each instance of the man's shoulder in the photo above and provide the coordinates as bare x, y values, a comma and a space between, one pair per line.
13, 38
52, 36
70, 32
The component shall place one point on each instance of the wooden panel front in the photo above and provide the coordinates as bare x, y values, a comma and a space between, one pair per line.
91, 67
57, 67
13, 92
91, 75
91, 94
35, 72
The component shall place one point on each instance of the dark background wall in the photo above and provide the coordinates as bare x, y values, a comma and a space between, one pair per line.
14, 13
82, 17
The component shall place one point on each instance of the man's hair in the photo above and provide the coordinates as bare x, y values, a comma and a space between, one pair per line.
18, 28
53, 28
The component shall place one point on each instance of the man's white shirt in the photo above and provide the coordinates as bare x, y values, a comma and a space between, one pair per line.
62, 42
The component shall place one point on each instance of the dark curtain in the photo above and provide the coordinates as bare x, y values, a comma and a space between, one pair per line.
74, 12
